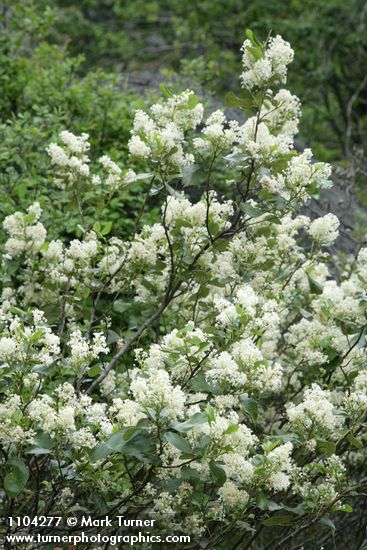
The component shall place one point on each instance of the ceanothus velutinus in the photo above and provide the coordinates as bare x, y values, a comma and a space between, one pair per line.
208, 368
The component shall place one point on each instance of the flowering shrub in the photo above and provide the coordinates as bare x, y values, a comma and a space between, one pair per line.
207, 370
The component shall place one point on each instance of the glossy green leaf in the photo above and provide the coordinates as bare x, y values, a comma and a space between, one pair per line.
16, 477
178, 442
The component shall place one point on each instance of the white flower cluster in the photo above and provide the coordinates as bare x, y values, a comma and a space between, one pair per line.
148, 244
73, 163
261, 69
218, 134
27, 234
228, 434
127, 412
287, 231
113, 173
154, 390
232, 496
160, 136
244, 303
69, 264
72, 155
190, 222
299, 175
325, 230
340, 302
356, 402
32, 343
224, 369
310, 339
278, 467
315, 414
256, 140
11, 434
70, 419
323, 491
82, 351
262, 375
282, 113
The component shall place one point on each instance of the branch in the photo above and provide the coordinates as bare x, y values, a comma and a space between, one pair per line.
128, 344
63, 309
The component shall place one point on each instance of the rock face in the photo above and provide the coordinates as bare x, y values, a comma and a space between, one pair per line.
143, 80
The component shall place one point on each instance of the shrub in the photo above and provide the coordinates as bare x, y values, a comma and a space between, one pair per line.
206, 369
45, 90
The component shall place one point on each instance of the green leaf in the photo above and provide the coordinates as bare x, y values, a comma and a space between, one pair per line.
315, 287
118, 440
16, 478
106, 229
16, 311
299, 510
120, 306
245, 103
99, 452
218, 474
334, 363
262, 500
192, 174
252, 37
250, 406
190, 473
94, 371
355, 442
280, 519
201, 385
36, 336
192, 102
327, 447
271, 443
172, 191
346, 508
210, 413
133, 441
195, 420
141, 448
112, 336
231, 100
255, 51
251, 210
273, 506
178, 442
17, 416
37, 451
326, 342
42, 445
143, 176
166, 91
97, 227
328, 523
232, 429
44, 440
